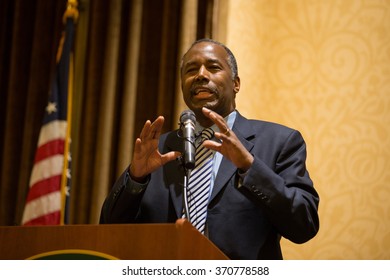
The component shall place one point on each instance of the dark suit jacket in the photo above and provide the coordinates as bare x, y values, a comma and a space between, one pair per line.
246, 218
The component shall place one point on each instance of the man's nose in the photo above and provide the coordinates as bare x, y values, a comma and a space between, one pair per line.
203, 74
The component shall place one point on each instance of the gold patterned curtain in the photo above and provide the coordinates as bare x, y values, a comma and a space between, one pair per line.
126, 56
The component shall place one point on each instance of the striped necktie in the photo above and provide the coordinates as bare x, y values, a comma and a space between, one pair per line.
199, 183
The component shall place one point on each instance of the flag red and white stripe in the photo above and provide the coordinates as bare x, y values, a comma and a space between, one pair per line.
44, 200
49, 187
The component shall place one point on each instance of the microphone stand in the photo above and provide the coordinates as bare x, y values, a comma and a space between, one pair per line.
187, 167
187, 173
187, 129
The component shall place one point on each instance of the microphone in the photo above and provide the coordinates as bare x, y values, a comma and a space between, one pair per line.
187, 125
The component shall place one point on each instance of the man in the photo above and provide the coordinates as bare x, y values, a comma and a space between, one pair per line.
260, 188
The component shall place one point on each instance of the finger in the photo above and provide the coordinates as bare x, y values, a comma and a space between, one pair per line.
156, 127
137, 147
216, 118
212, 145
170, 156
152, 130
226, 136
145, 130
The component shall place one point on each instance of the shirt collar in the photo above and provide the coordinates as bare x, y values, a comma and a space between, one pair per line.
229, 120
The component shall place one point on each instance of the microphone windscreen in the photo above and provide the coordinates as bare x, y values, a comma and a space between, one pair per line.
187, 115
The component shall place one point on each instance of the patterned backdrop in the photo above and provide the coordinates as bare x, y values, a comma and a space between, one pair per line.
323, 67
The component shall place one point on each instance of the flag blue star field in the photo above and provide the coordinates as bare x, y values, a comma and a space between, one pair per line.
49, 185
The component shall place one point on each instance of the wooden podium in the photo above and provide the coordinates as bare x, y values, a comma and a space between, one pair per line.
125, 241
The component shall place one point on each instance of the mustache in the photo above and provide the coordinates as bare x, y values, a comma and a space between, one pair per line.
197, 86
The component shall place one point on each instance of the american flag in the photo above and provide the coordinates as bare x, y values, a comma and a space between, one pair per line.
49, 187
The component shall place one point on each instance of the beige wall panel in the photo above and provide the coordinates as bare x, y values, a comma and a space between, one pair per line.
323, 67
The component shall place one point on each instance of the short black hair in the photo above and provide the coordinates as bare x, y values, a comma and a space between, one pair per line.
231, 59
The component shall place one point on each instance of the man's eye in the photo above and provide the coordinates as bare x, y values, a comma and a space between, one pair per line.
214, 67
191, 70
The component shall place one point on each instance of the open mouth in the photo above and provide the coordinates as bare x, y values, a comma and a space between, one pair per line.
203, 93
201, 89
204, 96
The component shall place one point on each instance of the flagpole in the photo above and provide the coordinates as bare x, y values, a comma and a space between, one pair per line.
71, 12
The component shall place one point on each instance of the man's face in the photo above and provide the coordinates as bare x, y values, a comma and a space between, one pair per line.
206, 79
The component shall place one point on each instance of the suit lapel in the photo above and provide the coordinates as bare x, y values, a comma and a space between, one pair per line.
227, 169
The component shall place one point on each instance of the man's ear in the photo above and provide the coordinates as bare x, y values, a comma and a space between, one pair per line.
237, 84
